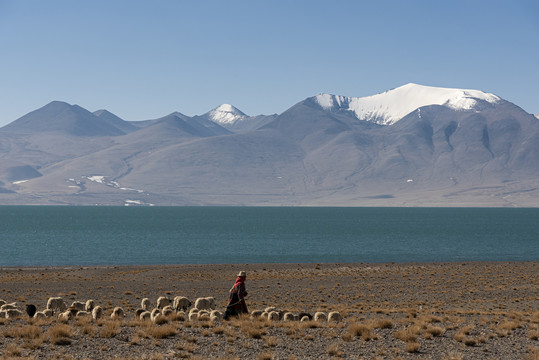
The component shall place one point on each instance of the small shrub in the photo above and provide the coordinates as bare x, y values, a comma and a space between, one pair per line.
265, 356
454, 356
333, 350
162, 332
60, 334
218, 330
412, 347
383, 324
434, 330
14, 350
405, 335
109, 329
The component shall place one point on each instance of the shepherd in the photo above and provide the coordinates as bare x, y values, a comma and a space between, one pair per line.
236, 300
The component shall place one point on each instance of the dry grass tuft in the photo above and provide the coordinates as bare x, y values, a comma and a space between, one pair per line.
265, 356
412, 347
14, 350
271, 341
23, 332
383, 324
358, 329
334, 350
109, 329
434, 330
454, 356
162, 332
60, 334
405, 335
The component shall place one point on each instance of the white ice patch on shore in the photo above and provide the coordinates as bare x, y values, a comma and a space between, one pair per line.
137, 203
100, 179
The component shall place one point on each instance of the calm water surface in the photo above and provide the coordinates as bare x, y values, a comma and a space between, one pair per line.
43, 236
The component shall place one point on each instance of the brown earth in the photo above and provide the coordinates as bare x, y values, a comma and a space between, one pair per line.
391, 311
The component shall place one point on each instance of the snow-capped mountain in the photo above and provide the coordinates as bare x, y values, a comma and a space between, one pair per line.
235, 120
412, 146
391, 106
226, 114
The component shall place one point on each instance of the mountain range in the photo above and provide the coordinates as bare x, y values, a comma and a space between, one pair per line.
410, 146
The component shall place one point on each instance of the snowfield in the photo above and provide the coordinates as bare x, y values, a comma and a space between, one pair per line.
389, 107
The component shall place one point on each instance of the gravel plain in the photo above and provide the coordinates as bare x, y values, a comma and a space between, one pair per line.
469, 310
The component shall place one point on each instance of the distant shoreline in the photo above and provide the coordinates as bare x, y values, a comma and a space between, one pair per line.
277, 265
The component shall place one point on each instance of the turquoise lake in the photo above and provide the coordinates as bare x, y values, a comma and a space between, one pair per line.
65, 236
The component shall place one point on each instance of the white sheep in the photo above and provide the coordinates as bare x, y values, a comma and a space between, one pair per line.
40, 315
13, 313
167, 310
154, 313
206, 303
65, 316
273, 316
181, 303
56, 304
10, 306
97, 312
145, 315
193, 310
80, 306
320, 316
204, 316
145, 304
2, 302
216, 314
305, 318
269, 309
334, 316
163, 301
48, 312
84, 313
89, 306
289, 317
117, 313
256, 314
193, 316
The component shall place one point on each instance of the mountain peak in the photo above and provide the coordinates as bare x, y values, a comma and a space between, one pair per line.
226, 114
389, 107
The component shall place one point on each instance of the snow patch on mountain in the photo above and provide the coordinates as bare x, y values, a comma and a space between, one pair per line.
226, 114
389, 107
537, 115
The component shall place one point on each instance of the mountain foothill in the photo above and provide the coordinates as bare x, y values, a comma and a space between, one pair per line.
410, 146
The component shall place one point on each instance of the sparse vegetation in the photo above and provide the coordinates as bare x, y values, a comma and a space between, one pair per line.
433, 323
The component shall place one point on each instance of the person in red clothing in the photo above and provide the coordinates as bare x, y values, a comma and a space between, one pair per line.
236, 300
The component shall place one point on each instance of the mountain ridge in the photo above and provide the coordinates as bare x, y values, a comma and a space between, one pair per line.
459, 148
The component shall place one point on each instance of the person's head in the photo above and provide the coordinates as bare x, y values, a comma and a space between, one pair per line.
242, 274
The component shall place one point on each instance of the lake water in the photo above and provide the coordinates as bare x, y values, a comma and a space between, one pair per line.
46, 236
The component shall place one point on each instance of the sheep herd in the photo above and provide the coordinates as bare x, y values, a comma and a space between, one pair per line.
204, 309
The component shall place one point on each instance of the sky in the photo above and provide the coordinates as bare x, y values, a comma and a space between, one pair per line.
145, 59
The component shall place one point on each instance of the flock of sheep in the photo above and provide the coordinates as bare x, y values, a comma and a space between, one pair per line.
204, 309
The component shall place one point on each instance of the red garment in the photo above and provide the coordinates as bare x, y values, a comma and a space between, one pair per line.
239, 280
237, 295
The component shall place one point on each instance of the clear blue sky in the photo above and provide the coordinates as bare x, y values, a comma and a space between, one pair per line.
145, 59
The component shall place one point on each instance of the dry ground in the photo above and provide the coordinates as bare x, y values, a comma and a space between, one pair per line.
391, 311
